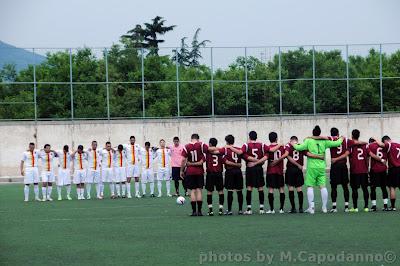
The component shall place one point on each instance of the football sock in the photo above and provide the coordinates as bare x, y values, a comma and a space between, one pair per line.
193, 206
112, 189
209, 200
88, 189
310, 197
300, 196
393, 203
221, 199
291, 198
384, 193
123, 188
128, 188
118, 188
271, 200
385, 202
176, 186
26, 192
346, 194
333, 205
36, 190
59, 191
373, 193
230, 200
143, 188
240, 199
168, 185
324, 196
366, 196
44, 192
354, 195
68, 190
151, 187
49, 189
98, 190
282, 200
159, 186
248, 198
137, 187
199, 204
334, 193
78, 192
261, 197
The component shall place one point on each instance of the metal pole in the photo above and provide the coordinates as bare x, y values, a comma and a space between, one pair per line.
313, 72
177, 82
347, 80
280, 81
212, 84
247, 83
107, 85
70, 83
34, 83
380, 77
143, 102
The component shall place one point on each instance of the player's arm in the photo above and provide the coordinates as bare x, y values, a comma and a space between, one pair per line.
21, 167
376, 157
237, 151
233, 164
275, 148
334, 143
380, 143
290, 159
343, 156
315, 156
319, 137
183, 165
301, 147
199, 163
254, 161
213, 150
358, 142
275, 162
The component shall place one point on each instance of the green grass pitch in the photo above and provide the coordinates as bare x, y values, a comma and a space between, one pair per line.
154, 231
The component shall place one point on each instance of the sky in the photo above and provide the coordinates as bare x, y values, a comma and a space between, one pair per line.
100, 23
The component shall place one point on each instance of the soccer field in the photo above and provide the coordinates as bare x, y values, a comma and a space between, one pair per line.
153, 231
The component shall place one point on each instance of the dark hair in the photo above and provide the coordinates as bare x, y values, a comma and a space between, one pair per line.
252, 135
46, 145
162, 140
384, 138
176, 138
132, 137
272, 136
120, 147
108, 143
355, 133
230, 139
147, 143
80, 147
66, 148
371, 140
316, 131
31, 144
334, 131
213, 142
195, 136
294, 138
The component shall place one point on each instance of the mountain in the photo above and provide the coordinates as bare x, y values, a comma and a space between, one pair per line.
20, 57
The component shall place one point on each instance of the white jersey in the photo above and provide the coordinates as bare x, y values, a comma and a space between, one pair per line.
64, 159
163, 156
146, 158
120, 158
132, 153
31, 158
47, 161
80, 160
107, 159
94, 159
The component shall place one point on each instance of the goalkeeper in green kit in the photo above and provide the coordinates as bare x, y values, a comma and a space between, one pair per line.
315, 175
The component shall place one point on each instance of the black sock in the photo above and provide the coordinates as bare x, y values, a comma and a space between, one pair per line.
346, 193
366, 195
271, 200
282, 199
300, 195
393, 203
209, 199
354, 195
261, 196
221, 199
176, 186
373, 193
240, 199
291, 198
199, 204
193, 206
334, 194
248, 197
230, 200
384, 193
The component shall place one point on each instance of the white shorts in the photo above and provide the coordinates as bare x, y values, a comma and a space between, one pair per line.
107, 175
48, 176
163, 174
147, 175
64, 177
120, 174
31, 175
79, 176
132, 171
93, 176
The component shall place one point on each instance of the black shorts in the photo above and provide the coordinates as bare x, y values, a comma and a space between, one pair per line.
378, 179
234, 179
194, 181
255, 177
394, 177
294, 177
357, 180
214, 180
275, 180
176, 173
339, 174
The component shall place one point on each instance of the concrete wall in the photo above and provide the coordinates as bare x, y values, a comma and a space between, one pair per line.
17, 135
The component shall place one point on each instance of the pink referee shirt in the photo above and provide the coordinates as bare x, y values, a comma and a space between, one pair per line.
176, 155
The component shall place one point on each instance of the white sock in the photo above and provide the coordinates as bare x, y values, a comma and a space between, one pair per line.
44, 192
152, 188
36, 190
68, 190
112, 189
168, 184
118, 189
26, 192
49, 189
83, 191
101, 188
144, 188
137, 188
373, 202
59, 191
98, 189
334, 204
123, 188
385, 201
324, 196
78, 192
159, 186
88, 189
128, 188
310, 197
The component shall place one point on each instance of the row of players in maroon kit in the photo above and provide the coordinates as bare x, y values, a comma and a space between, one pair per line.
359, 152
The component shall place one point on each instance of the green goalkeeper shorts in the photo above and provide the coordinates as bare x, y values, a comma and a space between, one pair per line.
315, 177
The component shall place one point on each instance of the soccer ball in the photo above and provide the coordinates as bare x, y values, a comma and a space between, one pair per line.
180, 200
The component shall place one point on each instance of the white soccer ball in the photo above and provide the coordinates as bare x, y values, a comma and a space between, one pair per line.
180, 200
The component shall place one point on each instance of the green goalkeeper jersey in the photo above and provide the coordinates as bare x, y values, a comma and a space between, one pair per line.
317, 147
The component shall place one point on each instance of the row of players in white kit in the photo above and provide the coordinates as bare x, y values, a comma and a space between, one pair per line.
96, 166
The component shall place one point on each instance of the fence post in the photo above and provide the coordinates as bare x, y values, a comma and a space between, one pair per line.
34, 84
212, 84
347, 80
107, 85
380, 77
177, 82
247, 82
70, 83
143, 102
280, 81
313, 72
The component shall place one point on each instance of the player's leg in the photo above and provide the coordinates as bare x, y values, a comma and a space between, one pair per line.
383, 184
36, 180
210, 188
289, 181
219, 186
354, 184
137, 186
44, 186
270, 199
334, 176
345, 186
123, 182
151, 181
175, 172
249, 188
300, 197
168, 182
160, 177
373, 185
282, 198
144, 182
364, 187
198, 191
129, 175
59, 182
28, 180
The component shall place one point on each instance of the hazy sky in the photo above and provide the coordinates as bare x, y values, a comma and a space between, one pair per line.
75, 23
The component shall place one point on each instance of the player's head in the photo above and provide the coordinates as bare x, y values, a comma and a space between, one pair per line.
195, 137
47, 147
273, 137
31, 146
230, 140
162, 143
94, 145
371, 140
147, 145
213, 142
355, 134
294, 140
316, 131
80, 148
386, 139
65, 148
253, 135
132, 139
334, 132
108, 145
120, 147
176, 141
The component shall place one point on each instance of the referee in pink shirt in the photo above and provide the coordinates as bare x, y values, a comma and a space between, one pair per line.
176, 162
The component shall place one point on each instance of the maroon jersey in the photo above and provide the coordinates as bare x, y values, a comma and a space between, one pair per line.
272, 156
339, 151
358, 158
254, 149
298, 156
393, 154
194, 152
377, 166
229, 155
213, 161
